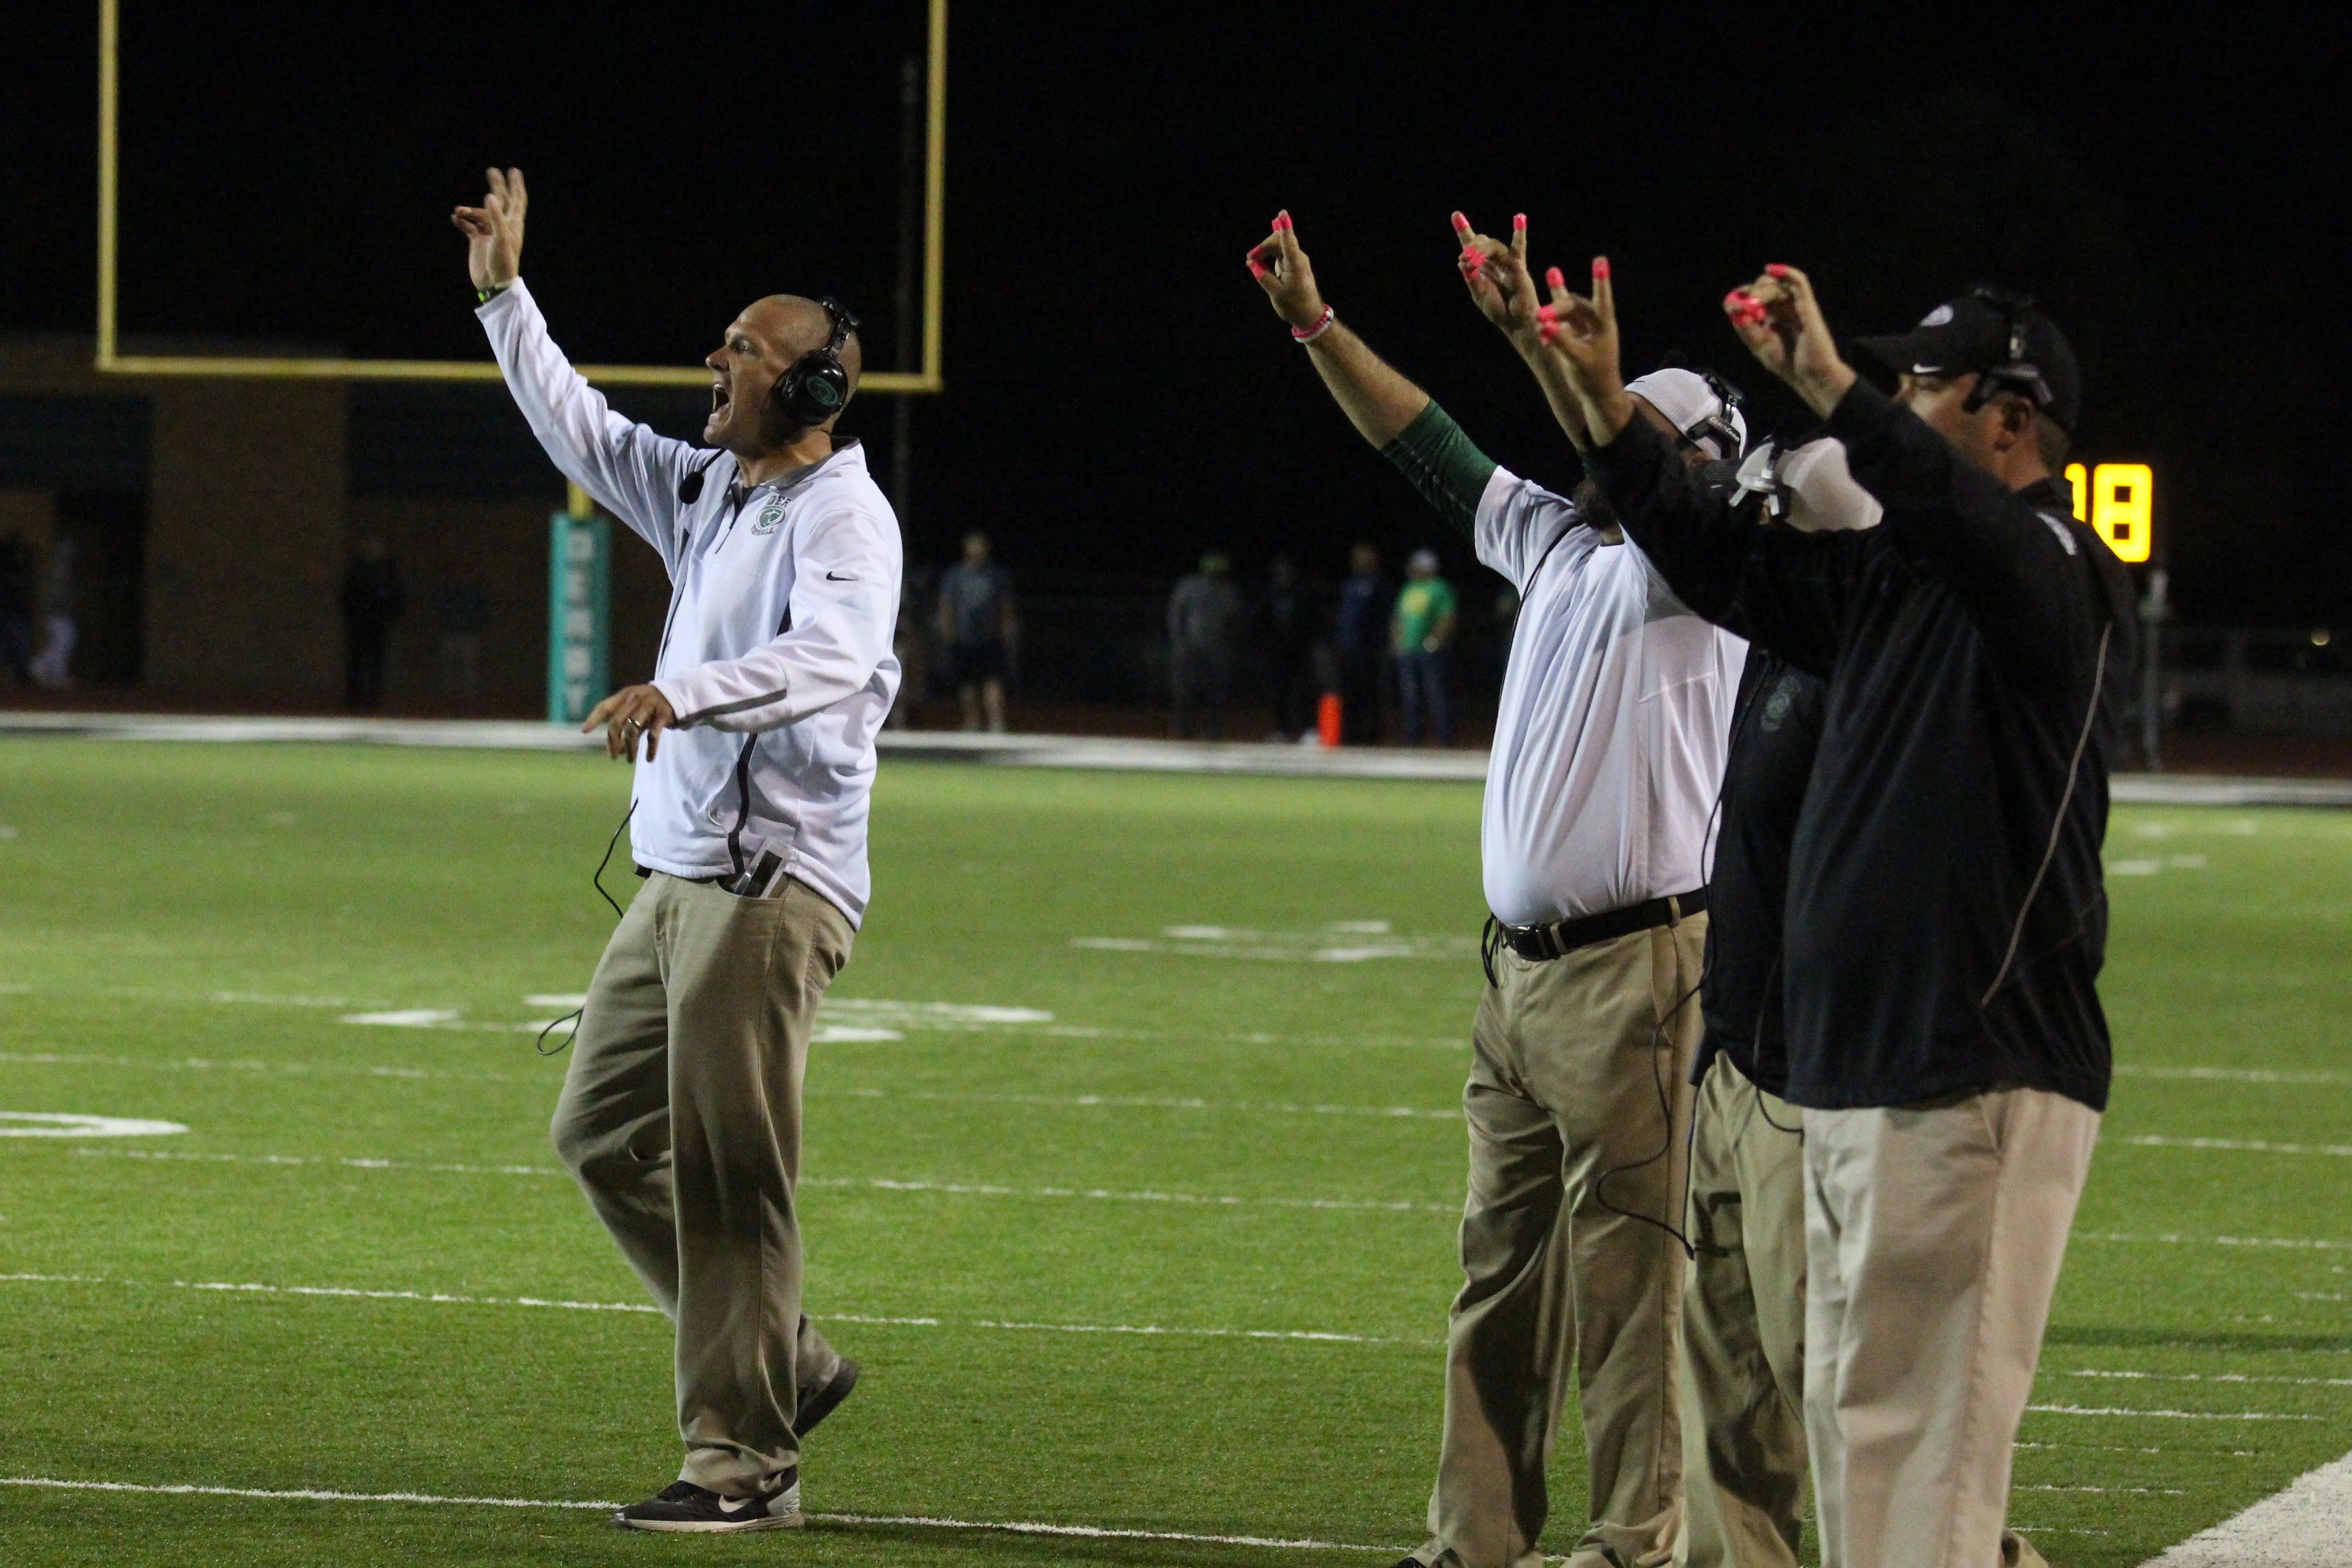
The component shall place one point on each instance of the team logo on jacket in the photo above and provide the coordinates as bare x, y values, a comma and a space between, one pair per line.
770, 515
1776, 707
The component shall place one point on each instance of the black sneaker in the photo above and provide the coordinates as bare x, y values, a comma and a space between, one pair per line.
822, 1402
683, 1506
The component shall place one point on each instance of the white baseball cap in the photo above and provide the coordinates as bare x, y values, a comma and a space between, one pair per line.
1693, 405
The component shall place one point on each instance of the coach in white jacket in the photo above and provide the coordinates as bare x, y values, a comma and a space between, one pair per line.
681, 1113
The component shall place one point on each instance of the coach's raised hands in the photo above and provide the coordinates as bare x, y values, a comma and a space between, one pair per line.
493, 231
1780, 322
1578, 332
1499, 282
1283, 270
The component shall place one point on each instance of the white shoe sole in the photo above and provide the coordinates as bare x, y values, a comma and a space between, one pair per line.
792, 1521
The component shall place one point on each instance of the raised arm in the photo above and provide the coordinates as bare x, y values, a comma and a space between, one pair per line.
1404, 423
1774, 587
2017, 573
625, 466
1505, 292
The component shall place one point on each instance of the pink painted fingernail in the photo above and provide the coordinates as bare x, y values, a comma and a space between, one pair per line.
1600, 267
1776, 269
1549, 330
1256, 270
1461, 224
1556, 277
1546, 312
1518, 220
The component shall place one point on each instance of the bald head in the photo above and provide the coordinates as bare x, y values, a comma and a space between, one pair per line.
801, 326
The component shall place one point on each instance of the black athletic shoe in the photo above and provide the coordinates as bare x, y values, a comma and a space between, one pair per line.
683, 1506
822, 1403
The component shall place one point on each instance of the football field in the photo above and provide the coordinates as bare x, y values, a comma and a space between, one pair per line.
1133, 1166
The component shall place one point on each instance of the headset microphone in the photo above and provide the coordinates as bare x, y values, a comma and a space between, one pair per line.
690, 489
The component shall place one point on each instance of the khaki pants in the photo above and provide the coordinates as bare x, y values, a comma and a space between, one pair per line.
1744, 1330
1933, 1237
681, 1118
1577, 1075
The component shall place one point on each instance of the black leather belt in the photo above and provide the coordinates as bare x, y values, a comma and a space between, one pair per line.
1563, 937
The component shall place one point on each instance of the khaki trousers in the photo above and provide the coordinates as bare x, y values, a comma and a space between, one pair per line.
1933, 1236
681, 1118
1576, 1105
1744, 1328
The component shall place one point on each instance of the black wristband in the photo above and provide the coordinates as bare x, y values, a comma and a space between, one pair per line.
484, 296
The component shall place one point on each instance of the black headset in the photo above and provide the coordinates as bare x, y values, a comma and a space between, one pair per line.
816, 387
2016, 373
810, 392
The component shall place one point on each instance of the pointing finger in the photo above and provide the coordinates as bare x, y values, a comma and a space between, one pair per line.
1285, 236
1604, 294
1519, 235
520, 193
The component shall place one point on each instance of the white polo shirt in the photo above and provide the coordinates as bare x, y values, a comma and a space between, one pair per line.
776, 652
1615, 718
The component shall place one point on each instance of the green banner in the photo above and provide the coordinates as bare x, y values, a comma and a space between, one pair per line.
579, 616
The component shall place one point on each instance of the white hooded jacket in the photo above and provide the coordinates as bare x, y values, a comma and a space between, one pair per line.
776, 651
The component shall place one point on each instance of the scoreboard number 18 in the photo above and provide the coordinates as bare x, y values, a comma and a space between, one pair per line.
2118, 500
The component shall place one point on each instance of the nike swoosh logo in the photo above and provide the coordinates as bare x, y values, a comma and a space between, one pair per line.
837, 577
728, 1509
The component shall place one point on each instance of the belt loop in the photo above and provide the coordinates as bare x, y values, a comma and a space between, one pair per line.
1674, 910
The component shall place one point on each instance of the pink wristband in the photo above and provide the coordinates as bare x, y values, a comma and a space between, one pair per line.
1322, 326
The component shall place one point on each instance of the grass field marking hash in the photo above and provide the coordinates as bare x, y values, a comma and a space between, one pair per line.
1009, 1526
63, 1125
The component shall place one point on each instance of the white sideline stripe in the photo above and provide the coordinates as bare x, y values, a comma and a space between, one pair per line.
2308, 1525
836, 1184
2216, 1377
443, 1298
2137, 1491
2168, 1414
2250, 1145
1010, 1527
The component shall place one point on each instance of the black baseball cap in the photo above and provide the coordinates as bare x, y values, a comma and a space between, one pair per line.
1997, 333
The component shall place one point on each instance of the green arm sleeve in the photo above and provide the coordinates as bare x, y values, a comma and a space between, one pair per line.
1440, 462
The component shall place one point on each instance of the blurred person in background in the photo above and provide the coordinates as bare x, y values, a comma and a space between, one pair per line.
16, 601
1421, 630
910, 641
372, 600
1205, 618
1360, 636
1290, 624
53, 667
461, 611
980, 629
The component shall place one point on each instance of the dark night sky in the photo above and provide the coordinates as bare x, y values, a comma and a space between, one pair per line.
1118, 394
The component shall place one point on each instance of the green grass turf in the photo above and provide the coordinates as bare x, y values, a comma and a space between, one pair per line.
184, 927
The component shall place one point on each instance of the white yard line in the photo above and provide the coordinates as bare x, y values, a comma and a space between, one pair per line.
2249, 1145
1009, 1526
834, 1183
444, 1299
2212, 1377
2168, 1414
2294, 1243
2236, 1075
2308, 1525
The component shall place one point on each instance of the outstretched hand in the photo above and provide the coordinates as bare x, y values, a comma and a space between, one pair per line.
1579, 332
1780, 322
1500, 285
1283, 270
493, 231
632, 713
